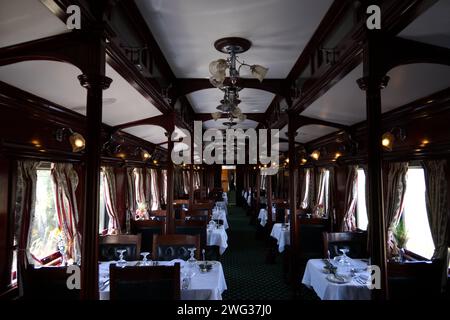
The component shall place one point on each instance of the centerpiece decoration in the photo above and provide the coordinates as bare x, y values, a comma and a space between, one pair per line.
141, 211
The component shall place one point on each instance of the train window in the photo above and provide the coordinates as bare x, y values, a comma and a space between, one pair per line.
45, 232
415, 215
361, 209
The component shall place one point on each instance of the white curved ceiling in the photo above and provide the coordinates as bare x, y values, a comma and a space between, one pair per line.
26, 20
253, 100
219, 124
278, 29
308, 133
345, 103
432, 27
58, 83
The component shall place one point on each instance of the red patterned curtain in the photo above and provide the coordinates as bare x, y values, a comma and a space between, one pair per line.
65, 182
394, 201
351, 198
110, 195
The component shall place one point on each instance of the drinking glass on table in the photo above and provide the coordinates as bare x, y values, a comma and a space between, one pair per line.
121, 262
145, 261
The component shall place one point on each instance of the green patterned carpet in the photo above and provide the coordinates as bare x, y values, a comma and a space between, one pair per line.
246, 273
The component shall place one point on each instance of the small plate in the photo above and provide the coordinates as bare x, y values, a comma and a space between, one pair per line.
339, 279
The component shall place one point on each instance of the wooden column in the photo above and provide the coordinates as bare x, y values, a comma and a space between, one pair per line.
292, 132
372, 83
191, 178
191, 186
170, 181
95, 82
258, 189
269, 179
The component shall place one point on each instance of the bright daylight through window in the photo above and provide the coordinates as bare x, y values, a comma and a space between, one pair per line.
44, 229
361, 210
415, 215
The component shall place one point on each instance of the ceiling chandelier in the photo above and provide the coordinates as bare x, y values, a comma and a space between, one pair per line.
218, 68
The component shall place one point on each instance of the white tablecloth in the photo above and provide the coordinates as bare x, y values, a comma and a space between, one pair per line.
315, 278
222, 205
283, 236
221, 214
217, 237
262, 216
204, 286
225, 197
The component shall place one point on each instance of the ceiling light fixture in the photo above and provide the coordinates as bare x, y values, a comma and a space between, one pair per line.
76, 140
315, 154
389, 137
217, 68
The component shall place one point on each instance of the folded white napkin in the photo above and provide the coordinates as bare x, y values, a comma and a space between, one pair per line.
180, 261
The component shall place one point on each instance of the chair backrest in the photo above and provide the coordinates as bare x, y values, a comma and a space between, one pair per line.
205, 208
311, 239
414, 279
147, 228
160, 215
355, 242
192, 227
198, 215
108, 246
144, 282
48, 283
174, 246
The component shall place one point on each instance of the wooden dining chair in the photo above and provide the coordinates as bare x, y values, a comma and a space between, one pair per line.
48, 283
160, 215
193, 228
144, 282
355, 242
108, 246
196, 214
415, 280
147, 228
174, 246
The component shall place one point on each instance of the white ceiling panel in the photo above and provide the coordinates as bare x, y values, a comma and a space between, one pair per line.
58, 83
153, 134
246, 124
252, 100
344, 103
308, 133
26, 20
278, 29
414, 81
432, 27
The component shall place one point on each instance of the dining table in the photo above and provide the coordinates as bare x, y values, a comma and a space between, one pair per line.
203, 285
217, 236
220, 214
281, 232
352, 286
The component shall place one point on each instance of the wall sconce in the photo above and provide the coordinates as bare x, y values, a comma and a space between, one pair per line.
389, 137
315, 155
144, 154
76, 140
303, 161
337, 155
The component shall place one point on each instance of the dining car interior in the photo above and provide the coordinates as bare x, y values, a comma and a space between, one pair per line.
207, 150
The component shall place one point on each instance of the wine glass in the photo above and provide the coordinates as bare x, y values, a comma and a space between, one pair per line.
192, 262
344, 254
121, 262
145, 262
